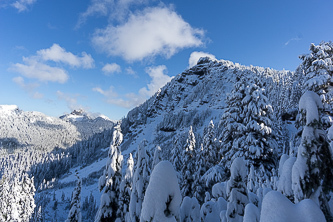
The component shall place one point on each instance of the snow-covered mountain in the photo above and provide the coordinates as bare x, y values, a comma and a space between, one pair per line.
228, 130
23, 129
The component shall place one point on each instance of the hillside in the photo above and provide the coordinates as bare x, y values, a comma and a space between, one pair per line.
22, 129
230, 132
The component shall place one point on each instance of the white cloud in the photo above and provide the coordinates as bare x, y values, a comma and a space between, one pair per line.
159, 79
58, 54
36, 66
131, 100
292, 39
71, 100
195, 56
23, 5
152, 32
111, 68
28, 87
34, 69
115, 9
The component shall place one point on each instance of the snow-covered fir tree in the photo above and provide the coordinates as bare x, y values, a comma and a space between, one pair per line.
176, 153
317, 67
312, 172
237, 191
231, 122
199, 186
140, 182
162, 198
74, 214
111, 179
188, 169
125, 190
210, 151
157, 156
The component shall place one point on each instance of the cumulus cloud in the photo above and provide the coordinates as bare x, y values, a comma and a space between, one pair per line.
28, 87
130, 100
37, 67
23, 5
115, 9
195, 56
34, 69
70, 99
158, 79
154, 31
111, 68
58, 54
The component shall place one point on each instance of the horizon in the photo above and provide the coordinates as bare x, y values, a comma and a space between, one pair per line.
108, 57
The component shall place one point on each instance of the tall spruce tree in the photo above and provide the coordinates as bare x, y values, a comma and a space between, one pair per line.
237, 191
125, 190
312, 172
140, 182
111, 179
209, 150
317, 68
74, 214
188, 168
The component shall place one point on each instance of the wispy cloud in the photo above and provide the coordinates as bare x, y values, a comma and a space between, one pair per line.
23, 5
195, 56
70, 99
130, 100
111, 68
298, 38
30, 88
115, 9
37, 67
146, 34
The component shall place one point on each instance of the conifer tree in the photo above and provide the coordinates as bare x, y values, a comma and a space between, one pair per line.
317, 70
198, 185
231, 122
111, 179
125, 190
140, 183
188, 168
157, 156
210, 152
237, 191
312, 172
176, 153
74, 214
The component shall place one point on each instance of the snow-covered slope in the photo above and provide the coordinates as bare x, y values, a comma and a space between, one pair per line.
22, 129
192, 98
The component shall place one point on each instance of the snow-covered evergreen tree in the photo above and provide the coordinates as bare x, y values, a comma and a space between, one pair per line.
190, 210
27, 201
176, 153
125, 190
162, 199
4, 197
317, 68
312, 172
188, 168
198, 185
246, 125
140, 183
210, 152
157, 156
237, 191
111, 179
231, 123
74, 214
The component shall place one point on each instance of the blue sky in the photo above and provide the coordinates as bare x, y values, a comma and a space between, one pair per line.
108, 56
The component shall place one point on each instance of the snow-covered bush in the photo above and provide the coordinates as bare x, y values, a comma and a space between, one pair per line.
162, 198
